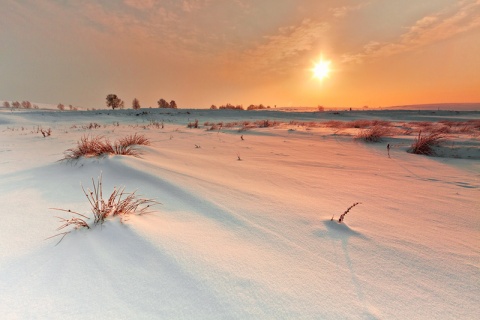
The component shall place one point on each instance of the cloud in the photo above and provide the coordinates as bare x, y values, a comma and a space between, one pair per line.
340, 12
463, 17
280, 52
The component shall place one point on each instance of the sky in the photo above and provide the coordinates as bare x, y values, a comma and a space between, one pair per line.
204, 52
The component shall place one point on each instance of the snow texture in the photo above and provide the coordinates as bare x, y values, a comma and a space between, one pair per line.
249, 239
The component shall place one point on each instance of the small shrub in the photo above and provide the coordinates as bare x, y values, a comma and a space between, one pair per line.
100, 146
91, 125
424, 144
193, 124
134, 140
46, 132
119, 203
374, 134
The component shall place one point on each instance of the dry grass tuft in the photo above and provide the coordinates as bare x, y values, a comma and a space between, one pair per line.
134, 140
119, 203
424, 144
100, 146
46, 132
374, 134
89, 147
193, 124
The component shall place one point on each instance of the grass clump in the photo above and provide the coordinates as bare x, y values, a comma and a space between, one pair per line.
100, 146
424, 144
118, 204
374, 134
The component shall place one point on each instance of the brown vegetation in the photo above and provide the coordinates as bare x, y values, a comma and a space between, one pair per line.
424, 144
99, 146
115, 205
374, 134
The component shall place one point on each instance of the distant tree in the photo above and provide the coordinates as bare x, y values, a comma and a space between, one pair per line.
114, 102
35, 106
60, 107
173, 104
6, 104
16, 104
162, 103
135, 104
213, 107
321, 108
26, 105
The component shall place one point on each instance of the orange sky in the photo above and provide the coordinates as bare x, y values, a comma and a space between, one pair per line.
203, 52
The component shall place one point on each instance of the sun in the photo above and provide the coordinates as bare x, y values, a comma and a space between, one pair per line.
321, 70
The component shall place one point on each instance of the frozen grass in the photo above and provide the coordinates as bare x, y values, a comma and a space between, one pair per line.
134, 140
89, 147
193, 124
99, 146
374, 134
342, 216
119, 203
424, 144
46, 132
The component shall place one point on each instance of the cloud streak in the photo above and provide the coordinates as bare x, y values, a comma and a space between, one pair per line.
340, 12
463, 17
280, 52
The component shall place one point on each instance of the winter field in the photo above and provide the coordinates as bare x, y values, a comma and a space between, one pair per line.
243, 228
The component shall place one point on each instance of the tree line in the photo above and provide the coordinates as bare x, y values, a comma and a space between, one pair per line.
18, 105
114, 102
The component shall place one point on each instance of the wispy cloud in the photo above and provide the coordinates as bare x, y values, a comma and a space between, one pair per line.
340, 12
439, 26
279, 52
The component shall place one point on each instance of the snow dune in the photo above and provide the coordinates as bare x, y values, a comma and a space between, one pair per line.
238, 239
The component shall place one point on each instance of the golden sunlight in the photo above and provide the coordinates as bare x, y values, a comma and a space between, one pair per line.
321, 69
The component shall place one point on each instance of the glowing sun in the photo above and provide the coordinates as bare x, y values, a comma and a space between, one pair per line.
321, 69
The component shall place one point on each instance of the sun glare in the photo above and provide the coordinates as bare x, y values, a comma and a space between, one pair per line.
321, 69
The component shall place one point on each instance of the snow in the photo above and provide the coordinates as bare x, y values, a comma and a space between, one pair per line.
237, 239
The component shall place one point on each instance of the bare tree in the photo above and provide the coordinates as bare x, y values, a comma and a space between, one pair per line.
60, 107
114, 102
16, 104
6, 104
135, 104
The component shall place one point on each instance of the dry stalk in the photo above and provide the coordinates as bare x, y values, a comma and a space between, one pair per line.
119, 203
340, 220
